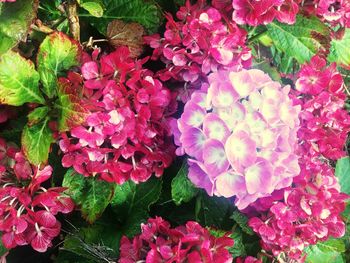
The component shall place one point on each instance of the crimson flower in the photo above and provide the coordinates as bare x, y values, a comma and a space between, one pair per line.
27, 209
126, 135
158, 242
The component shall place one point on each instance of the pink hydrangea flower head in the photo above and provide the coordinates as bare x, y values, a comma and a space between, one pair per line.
262, 12
28, 210
309, 212
201, 41
159, 242
325, 123
240, 136
126, 134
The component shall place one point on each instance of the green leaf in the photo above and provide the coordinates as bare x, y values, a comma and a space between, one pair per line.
19, 82
13, 129
242, 221
326, 252
36, 142
265, 66
238, 249
15, 19
71, 111
131, 202
143, 12
37, 115
182, 189
3, 250
214, 211
339, 51
91, 194
94, 7
57, 53
301, 40
342, 171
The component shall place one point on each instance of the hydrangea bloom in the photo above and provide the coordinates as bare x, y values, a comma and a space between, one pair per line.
126, 134
158, 242
258, 12
240, 136
27, 209
202, 41
248, 259
333, 11
325, 123
309, 212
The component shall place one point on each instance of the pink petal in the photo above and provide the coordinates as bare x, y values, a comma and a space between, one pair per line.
240, 150
258, 177
90, 70
215, 128
214, 157
229, 184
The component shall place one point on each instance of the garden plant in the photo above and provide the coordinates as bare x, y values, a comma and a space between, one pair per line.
174, 131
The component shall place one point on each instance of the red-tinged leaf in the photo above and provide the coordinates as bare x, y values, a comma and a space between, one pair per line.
57, 53
72, 113
120, 33
19, 81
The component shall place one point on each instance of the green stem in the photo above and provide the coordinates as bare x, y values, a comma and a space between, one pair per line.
257, 36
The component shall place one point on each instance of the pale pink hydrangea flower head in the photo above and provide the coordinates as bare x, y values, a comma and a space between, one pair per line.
240, 136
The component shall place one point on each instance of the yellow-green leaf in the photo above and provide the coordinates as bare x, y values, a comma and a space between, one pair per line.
19, 81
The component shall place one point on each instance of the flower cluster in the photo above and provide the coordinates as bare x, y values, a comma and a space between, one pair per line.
248, 259
27, 209
334, 12
309, 212
325, 123
261, 12
126, 134
240, 136
202, 41
158, 242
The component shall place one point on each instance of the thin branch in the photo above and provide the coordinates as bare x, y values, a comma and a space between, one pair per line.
73, 19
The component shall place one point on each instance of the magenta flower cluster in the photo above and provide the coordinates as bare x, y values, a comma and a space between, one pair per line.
201, 41
158, 242
325, 122
126, 134
310, 210
27, 209
240, 136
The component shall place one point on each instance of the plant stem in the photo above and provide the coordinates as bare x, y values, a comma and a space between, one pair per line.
73, 19
257, 36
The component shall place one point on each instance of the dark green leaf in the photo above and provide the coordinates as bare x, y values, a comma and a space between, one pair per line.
238, 249
142, 12
242, 221
57, 53
19, 81
15, 19
342, 171
36, 142
37, 115
301, 40
89, 193
131, 203
214, 211
182, 189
